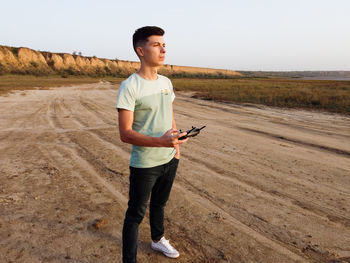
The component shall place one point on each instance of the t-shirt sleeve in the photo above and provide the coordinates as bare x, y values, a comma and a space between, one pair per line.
172, 91
126, 98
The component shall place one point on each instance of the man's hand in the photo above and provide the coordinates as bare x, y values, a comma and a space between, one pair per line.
170, 138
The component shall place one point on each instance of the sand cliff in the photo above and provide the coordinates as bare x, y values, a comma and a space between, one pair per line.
27, 61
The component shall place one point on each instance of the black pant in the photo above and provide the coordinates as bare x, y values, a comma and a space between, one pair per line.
157, 182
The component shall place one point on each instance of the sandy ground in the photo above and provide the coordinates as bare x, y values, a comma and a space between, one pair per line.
257, 185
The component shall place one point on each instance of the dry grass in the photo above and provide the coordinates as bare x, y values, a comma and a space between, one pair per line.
10, 83
329, 95
332, 96
114, 80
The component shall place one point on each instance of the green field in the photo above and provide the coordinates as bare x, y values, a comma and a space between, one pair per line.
327, 95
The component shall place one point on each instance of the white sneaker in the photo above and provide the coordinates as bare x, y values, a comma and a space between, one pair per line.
164, 246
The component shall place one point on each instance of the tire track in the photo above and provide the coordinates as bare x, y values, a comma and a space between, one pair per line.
23, 120
255, 222
84, 159
275, 245
84, 164
275, 136
299, 142
99, 115
273, 195
261, 226
52, 112
109, 142
6, 135
95, 134
228, 158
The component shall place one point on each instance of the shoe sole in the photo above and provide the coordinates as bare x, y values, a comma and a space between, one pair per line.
166, 254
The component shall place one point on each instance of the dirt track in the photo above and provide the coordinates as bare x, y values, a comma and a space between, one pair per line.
257, 185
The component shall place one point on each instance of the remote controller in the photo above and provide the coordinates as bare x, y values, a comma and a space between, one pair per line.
191, 133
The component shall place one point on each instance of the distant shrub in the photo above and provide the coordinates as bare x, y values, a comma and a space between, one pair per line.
36, 70
65, 72
17, 71
34, 64
107, 70
121, 72
71, 71
201, 75
14, 51
3, 69
51, 63
99, 72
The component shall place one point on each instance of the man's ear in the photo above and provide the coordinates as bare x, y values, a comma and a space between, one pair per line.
139, 51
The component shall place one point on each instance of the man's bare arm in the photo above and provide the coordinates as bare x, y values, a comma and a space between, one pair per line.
128, 135
177, 147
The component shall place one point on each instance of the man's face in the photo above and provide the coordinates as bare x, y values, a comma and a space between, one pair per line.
153, 51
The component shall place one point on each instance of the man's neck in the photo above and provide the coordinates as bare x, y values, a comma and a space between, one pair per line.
149, 73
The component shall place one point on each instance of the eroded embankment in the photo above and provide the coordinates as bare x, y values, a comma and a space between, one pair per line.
27, 61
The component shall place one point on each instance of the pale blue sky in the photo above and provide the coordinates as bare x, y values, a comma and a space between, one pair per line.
239, 35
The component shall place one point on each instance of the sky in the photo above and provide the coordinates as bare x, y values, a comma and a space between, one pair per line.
267, 35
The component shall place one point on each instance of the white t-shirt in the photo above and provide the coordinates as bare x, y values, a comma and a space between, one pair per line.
151, 101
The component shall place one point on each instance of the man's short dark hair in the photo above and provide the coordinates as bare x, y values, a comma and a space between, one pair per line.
141, 35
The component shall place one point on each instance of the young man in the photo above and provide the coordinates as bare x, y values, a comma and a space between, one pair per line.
146, 121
